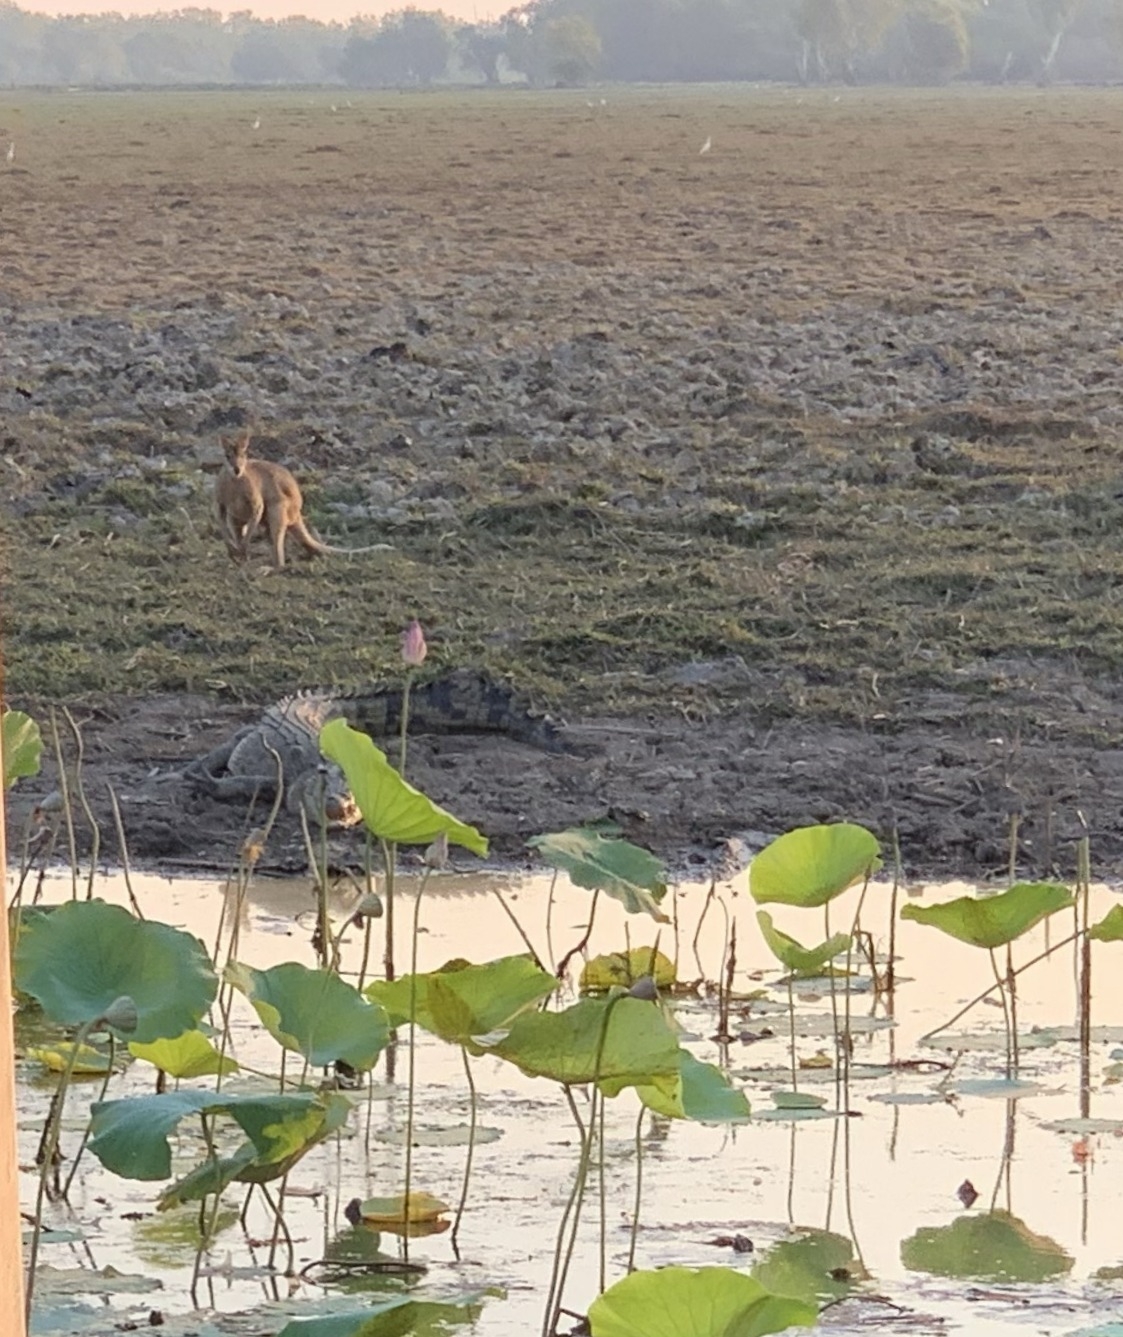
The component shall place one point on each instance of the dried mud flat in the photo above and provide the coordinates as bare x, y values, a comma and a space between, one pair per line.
785, 473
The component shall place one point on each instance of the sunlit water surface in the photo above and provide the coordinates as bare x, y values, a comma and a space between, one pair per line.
896, 1166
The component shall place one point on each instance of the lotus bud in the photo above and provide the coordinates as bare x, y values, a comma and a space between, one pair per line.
436, 856
414, 648
370, 907
644, 988
122, 1015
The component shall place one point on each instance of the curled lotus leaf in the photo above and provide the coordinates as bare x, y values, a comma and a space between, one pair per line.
392, 808
629, 874
800, 960
21, 745
993, 921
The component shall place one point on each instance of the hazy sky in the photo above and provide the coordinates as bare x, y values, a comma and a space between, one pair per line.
324, 10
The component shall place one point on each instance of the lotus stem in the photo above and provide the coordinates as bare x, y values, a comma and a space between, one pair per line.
49, 1149
472, 1113
550, 916
639, 1189
95, 830
123, 847
86, 1130
518, 927
412, 1059
1001, 983
68, 816
206, 1224
553, 1294
389, 859
698, 928
404, 736
603, 1198
791, 1035
279, 1223
986, 993
1084, 880
580, 946
559, 1274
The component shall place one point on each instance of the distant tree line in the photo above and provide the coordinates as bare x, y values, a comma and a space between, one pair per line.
573, 42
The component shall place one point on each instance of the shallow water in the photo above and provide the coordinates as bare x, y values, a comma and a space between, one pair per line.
906, 1160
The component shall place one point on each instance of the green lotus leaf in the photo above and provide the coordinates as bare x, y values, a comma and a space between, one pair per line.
812, 1265
1110, 927
813, 864
993, 921
639, 1048
207, 1179
622, 969
993, 1246
461, 1001
702, 1093
85, 955
689, 1302
314, 1013
620, 869
130, 1136
392, 809
396, 1317
21, 745
191, 1054
800, 960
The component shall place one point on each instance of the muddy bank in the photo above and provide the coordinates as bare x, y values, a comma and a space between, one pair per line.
946, 770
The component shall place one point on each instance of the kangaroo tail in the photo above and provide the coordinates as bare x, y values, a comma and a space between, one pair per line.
313, 544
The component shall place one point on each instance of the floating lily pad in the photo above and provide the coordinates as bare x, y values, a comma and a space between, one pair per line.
392, 808
988, 1042
88, 1061
622, 969
813, 864
1079, 1127
797, 1100
455, 1135
687, 1302
999, 1088
812, 1265
990, 1246
629, 874
394, 1317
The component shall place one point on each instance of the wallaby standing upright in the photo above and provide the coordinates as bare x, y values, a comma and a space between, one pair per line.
247, 491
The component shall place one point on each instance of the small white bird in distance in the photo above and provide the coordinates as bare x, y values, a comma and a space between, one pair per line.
257, 123
11, 153
707, 145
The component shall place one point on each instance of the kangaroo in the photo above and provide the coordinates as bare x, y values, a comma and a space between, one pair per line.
248, 491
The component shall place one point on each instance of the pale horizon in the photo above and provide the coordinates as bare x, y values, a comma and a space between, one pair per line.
325, 11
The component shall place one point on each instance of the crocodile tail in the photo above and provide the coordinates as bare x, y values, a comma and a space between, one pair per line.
464, 700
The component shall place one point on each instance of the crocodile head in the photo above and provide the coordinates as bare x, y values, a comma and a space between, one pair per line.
321, 793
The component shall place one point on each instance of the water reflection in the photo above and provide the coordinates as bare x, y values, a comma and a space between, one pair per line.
886, 1176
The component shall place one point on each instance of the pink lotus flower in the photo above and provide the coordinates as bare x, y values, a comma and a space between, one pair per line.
414, 648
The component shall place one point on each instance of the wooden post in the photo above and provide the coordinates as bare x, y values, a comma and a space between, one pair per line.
11, 1226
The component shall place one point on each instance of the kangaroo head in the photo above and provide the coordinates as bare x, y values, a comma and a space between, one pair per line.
236, 449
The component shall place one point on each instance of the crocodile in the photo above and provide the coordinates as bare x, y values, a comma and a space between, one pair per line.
286, 737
